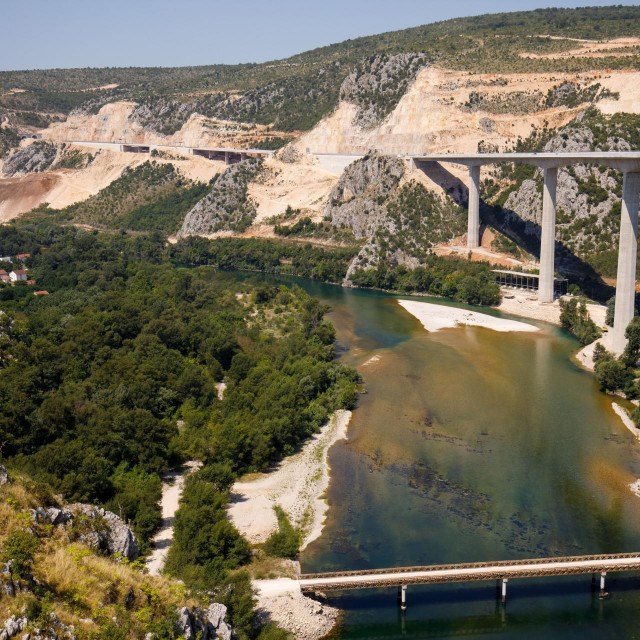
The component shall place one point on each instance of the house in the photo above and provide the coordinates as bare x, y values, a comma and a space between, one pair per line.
40, 293
20, 274
23, 256
5, 259
5, 278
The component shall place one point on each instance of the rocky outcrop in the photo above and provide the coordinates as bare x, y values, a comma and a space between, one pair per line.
377, 84
357, 201
99, 529
4, 476
204, 624
587, 198
55, 630
36, 157
227, 207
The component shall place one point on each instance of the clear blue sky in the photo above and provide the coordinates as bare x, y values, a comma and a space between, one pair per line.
39, 34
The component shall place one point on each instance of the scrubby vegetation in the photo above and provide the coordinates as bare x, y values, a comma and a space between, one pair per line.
253, 254
151, 196
109, 380
575, 317
463, 281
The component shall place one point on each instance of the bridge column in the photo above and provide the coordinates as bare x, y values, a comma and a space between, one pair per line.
603, 593
548, 239
403, 597
627, 251
243, 157
473, 224
226, 157
504, 590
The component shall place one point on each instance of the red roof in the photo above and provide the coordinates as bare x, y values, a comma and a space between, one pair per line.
23, 255
40, 293
20, 272
3, 272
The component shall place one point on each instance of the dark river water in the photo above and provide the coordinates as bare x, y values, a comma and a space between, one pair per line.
475, 445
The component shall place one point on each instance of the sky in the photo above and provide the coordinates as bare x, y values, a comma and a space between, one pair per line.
45, 34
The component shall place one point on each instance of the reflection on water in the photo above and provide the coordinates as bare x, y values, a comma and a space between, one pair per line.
474, 445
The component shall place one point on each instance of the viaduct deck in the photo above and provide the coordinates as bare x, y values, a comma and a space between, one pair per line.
502, 570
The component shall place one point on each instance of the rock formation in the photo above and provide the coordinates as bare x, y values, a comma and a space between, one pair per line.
227, 207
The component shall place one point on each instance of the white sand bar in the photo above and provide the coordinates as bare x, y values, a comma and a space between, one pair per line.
297, 485
438, 316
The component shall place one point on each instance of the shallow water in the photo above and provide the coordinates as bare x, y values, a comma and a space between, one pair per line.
475, 445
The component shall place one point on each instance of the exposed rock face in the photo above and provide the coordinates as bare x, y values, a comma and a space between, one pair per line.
100, 529
4, 476
227, 207
399, 219
587, 197
357, 201
376, 85
204, 624
55, 630
38, 156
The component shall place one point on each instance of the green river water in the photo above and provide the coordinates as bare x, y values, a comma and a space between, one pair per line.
475, 445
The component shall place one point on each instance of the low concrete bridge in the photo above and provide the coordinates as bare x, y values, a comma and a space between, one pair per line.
628, 162
501, 571
228, 155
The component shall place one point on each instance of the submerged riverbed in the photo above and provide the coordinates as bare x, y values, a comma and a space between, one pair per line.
475, 445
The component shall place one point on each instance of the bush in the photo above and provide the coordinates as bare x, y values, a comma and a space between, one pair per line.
284, 543
611, 375
19, 547
575, 317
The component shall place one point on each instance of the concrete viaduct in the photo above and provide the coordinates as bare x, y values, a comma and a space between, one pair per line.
628, 162
228, 155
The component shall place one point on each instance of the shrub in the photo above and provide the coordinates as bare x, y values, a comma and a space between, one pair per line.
284, 543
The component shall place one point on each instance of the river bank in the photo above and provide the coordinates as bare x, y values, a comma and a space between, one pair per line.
297, 485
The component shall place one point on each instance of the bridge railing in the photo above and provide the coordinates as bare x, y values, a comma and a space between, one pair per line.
468, 565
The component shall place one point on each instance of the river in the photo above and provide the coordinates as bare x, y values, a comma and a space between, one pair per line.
474, 445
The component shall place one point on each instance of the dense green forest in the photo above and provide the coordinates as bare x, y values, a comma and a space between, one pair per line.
461, 280
109, 381
296, 92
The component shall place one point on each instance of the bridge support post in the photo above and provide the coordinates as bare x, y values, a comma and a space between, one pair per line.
243, 157
603, 593
403, 597
226, 157
548, 239
504, 590
473, 224
627, 251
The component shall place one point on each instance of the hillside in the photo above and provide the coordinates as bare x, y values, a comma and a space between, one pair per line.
295, 93
520, 80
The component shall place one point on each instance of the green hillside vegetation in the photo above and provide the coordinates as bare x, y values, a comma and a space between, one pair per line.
98, 376
460, 280
148, 197
296, 92
268, 256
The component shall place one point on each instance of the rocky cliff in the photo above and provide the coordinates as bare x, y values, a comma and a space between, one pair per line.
227, 207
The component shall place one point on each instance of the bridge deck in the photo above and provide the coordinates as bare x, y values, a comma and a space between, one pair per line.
374, 578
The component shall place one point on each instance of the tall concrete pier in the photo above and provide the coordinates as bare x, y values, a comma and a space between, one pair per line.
548, 238
627, 252
473, 225
626, 161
